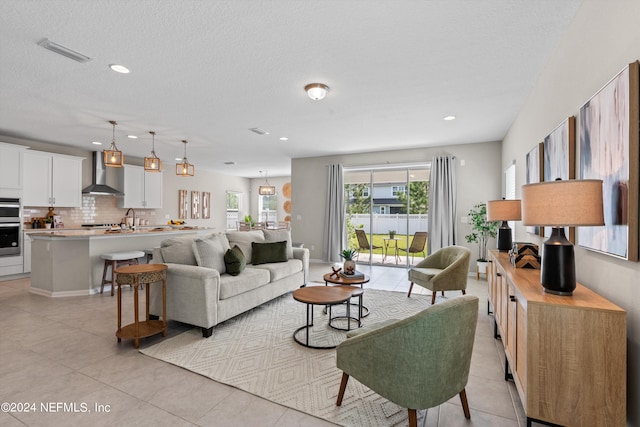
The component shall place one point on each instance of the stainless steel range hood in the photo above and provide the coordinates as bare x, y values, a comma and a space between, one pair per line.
99, 185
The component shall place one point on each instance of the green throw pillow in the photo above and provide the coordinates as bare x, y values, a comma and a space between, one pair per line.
234, 261
263, 253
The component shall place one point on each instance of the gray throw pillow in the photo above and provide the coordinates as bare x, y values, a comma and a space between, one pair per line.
234, 261
178, 251
209, 253
263, 253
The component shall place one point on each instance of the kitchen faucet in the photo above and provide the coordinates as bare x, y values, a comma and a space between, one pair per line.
133, 225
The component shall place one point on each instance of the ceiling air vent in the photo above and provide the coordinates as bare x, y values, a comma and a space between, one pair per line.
259, 131
64, 51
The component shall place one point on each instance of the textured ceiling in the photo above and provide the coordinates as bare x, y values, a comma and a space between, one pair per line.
206, 71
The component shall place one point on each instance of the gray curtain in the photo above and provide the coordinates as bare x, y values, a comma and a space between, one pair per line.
334, 220
442, 203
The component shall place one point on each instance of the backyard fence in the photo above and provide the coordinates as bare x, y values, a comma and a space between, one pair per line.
382, 223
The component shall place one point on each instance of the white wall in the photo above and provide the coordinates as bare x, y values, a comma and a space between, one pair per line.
603, 38
203, 180
478, 180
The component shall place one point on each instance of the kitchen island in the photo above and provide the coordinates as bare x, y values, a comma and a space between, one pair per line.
67, 263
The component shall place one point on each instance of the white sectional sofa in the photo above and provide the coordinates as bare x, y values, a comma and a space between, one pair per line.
202, 293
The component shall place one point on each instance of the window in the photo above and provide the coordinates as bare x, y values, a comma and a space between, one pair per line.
268, 208
398, 189
234, 209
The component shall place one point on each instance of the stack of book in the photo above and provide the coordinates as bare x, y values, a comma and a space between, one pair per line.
356, 275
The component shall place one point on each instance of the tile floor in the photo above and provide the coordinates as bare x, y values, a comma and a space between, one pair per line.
63, 351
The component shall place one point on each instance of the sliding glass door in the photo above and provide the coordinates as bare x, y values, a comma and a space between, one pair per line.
386, 210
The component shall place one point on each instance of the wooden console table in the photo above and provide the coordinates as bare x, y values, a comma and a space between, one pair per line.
136, 275
566, 354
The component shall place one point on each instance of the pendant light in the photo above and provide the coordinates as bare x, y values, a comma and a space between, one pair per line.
113, 157
267, 189
185, 168
153, 163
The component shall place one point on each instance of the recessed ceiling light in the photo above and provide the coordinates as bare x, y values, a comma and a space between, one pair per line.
448, 118
179, 159
119, 68
96, 143
132, 136
284, 138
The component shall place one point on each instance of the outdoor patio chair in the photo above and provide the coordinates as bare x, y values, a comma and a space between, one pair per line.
363, 242
418, 245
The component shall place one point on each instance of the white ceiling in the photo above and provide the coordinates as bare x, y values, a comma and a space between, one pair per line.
206, 71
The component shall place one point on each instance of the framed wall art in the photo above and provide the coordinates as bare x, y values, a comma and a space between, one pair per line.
195, 204
608, 135
183, 204
559, 154
206, 205
534, 175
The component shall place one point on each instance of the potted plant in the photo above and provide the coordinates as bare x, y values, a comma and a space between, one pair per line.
392, 234
349, 266
48, 222
247, 218
481, 230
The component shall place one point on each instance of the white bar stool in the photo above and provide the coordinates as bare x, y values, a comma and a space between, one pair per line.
115, 260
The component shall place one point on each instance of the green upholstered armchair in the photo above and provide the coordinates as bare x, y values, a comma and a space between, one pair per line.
446, 269
418, 362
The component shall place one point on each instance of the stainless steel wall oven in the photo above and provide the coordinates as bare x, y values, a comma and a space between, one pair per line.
10, 226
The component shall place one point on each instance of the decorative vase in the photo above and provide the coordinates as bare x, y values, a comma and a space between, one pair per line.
349, 267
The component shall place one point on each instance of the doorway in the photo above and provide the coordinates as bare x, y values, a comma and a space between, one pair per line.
384, 208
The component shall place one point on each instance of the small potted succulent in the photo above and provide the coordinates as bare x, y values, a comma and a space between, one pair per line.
349, 266
48, 222
392, 234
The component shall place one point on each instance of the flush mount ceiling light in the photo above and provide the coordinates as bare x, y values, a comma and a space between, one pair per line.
153, 163
113, 157
119, 68
185, 168
267, 189
64, 51
449, 118
316, 91
284, 138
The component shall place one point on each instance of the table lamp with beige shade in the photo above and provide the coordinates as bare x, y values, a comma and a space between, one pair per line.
504, 210
559, 204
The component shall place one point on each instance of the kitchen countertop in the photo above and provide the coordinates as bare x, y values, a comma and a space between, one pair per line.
93, 233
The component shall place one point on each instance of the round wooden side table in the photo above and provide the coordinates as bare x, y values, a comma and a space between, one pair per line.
136, 275
339, 279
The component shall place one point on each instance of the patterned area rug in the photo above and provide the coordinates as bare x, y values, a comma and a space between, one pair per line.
255, 352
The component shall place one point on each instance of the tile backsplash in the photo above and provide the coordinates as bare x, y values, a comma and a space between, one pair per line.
94, 210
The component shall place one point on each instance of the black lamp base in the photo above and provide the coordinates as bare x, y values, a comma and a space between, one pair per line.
504, 237
558, 269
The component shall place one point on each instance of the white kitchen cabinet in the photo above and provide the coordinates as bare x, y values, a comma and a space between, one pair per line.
141, 189
51, 179
11, 166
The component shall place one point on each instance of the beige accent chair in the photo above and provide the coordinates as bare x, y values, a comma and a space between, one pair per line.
418, 362
446, 269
